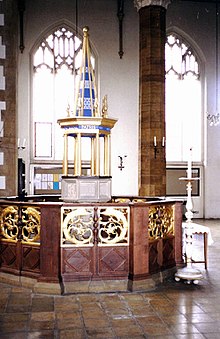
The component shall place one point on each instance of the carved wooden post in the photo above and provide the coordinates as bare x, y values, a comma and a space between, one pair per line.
95, 226
139, 246
95, 240
50, 243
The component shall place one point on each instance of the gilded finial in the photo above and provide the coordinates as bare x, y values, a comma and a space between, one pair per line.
68, 110
96, 106
79, 105
104, 106
85, 30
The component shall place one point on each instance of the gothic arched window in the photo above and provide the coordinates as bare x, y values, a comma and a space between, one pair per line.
183, 101
56, 64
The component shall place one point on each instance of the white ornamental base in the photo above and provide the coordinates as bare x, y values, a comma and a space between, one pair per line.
86, 189
189, 274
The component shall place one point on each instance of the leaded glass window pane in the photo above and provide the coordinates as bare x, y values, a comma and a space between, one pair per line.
183, 101
56, 64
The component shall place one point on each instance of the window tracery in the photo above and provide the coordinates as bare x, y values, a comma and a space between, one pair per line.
180, 59
183, 101
56, 65
60, 48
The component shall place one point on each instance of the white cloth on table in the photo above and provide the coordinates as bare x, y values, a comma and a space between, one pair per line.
200, 229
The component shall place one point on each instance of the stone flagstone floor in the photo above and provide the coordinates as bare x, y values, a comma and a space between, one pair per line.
174, 310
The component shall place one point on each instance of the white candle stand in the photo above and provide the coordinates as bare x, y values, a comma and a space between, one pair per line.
188, 273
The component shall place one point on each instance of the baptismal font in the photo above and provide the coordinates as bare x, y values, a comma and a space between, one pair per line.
87, 122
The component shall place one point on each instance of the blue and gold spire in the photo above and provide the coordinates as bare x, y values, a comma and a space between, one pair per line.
86, 96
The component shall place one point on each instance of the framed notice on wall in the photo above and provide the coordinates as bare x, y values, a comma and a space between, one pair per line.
176, 187
47, 180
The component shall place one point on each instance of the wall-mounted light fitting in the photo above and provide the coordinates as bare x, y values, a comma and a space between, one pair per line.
121, 161
156, 146
21, 145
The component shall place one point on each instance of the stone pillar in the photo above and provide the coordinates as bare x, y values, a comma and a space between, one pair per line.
152, 159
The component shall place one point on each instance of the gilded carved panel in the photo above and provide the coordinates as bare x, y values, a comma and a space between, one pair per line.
77, 224
160, 221
20, 223
9, 222
95, 225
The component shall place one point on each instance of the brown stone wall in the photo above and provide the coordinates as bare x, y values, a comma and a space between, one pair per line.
8, 144
152, 163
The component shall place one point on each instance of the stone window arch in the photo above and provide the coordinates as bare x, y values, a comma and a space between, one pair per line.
56, 61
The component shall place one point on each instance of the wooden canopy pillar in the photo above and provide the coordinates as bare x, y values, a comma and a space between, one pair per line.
152, 159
